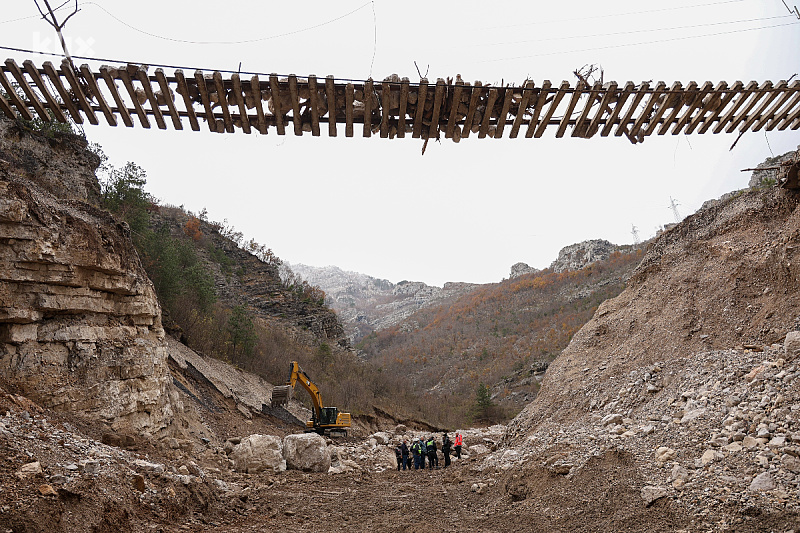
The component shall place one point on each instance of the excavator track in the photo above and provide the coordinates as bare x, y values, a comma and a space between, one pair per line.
281, 395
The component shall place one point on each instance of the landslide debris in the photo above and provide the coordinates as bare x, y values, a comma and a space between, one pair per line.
690, 377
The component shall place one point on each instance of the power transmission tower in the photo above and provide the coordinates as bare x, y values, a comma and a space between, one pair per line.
674, 206
635, 232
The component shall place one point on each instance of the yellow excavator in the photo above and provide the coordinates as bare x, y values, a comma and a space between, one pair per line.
323, 419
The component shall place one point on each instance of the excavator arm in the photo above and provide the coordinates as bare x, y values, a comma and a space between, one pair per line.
322, 417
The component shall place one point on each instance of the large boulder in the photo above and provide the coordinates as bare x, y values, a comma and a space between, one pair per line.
381, 437
307, 452
385, 458
258, 453
792, 345
339, 463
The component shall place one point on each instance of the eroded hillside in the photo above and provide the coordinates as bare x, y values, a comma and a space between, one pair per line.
726, 277
683, 390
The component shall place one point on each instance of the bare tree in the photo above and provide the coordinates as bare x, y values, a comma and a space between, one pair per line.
51, 19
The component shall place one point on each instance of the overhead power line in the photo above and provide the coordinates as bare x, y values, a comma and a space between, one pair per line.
629, 32
641, 43
614, 15
243, 41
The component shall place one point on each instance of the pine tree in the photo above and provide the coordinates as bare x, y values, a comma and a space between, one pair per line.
483, 402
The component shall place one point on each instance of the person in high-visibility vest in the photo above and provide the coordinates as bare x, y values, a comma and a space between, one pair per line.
458, 444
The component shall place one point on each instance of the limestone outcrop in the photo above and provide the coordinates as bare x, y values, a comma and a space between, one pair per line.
80, 325
577, 256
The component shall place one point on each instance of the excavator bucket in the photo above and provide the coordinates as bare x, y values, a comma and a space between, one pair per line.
281, 395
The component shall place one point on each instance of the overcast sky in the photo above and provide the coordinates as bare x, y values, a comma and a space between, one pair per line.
461, 212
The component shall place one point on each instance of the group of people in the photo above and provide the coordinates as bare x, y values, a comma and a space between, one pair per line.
425, 449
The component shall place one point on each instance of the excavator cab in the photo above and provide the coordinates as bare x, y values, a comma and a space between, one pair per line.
327, 415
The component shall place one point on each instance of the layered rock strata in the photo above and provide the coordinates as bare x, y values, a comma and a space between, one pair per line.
80, 325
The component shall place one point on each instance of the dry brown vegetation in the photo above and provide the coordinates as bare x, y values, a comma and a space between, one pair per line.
495, 335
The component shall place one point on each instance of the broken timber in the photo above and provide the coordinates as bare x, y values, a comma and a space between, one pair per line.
391, 108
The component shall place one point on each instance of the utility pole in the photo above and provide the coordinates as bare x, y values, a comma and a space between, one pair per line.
674, 206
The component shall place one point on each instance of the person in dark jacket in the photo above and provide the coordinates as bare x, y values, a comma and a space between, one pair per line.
398, 454
446, 445
424, 452
404, 453
433, 460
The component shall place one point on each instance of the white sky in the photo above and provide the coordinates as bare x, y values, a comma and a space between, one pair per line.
461, 212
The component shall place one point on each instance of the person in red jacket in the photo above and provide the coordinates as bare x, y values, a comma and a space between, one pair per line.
458, 444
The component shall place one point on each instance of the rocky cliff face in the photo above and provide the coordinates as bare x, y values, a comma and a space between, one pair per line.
80, 325
577, 256
520, 269
572, 257
366, 304
257, 285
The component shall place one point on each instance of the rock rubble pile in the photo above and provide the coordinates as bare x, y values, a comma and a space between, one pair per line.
719, 429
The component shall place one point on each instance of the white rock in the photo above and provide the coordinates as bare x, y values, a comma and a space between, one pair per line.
651, 494
694, 414
614, 418
306, 451
89, 467
259, 453
478, 487
385, 458
733, 447
664, 454
679, 476
762, 481
777, 442
478, 449
792, 345
749, 442
147, 466
510, 456
382, 437
710, 455
790, 463
29, 469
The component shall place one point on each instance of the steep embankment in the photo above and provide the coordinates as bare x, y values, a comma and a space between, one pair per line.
726, 276
241, 278
679, 399
80, 325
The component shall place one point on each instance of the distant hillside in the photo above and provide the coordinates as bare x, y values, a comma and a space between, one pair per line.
502, 334
366, 304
